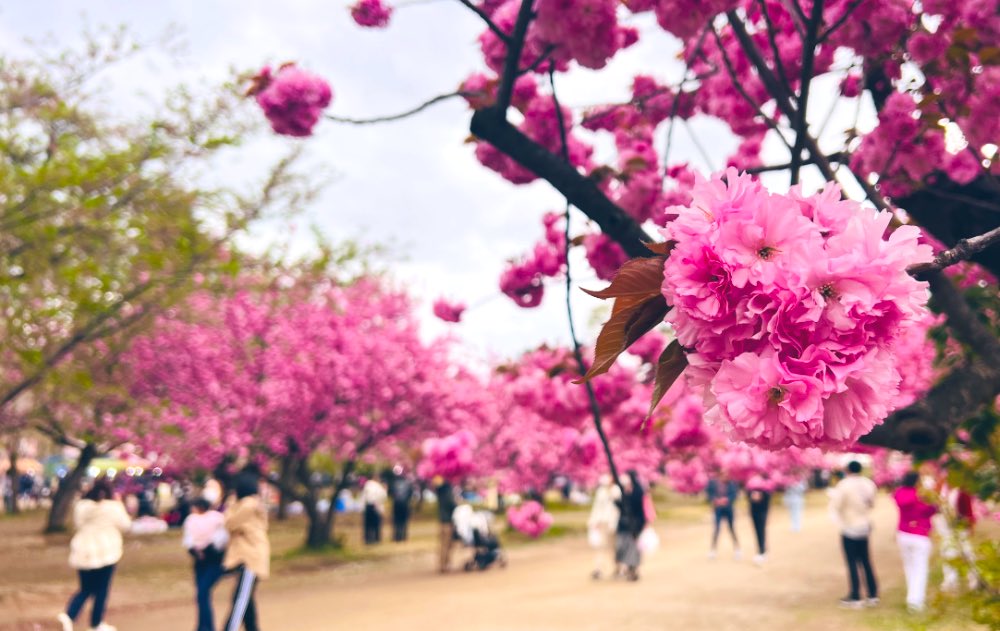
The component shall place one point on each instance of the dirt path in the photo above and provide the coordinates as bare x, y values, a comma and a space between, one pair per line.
547, 587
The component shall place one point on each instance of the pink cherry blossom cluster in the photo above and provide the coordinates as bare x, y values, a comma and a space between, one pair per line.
648, 347
522, 281
604, 255
792, 307
529, 518
448, 311
450, 457
687, 476
292, 99
904, 150
889, 467
371, 13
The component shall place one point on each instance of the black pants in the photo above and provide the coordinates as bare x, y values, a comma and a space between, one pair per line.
400, 520
96, 584
758, 514
373, 524
206, 575
724, 513
244, 610
856, 553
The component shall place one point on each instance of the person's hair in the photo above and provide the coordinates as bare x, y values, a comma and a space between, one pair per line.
246, 484
636, 484
854, 466
200, 503
101, 489
910, 479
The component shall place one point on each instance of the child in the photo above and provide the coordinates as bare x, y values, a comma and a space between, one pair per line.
249, 551
205, 538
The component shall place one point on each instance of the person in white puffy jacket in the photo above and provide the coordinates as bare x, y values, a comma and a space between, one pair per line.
95, 549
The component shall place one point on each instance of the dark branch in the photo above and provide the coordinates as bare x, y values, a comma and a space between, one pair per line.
513, 60
840, 21
505, 38
808, 58
581, 191
838, 157
963, 251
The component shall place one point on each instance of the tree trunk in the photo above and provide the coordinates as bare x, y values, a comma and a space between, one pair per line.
68, 486
284, 482
321, 523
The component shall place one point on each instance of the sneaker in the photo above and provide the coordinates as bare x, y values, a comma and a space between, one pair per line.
67, 624
759, 559
104, 626
596, 575
737, 554
872, 602
914, 609
851, 603
712, 554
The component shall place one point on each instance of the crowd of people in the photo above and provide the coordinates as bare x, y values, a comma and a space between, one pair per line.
225, 531
621, 514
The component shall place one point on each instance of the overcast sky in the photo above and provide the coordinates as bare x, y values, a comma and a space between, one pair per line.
414, 184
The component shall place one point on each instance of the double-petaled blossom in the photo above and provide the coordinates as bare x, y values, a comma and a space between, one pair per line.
793, 307
292, 99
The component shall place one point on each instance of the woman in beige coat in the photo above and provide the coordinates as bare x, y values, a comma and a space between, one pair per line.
249, 551
94, 551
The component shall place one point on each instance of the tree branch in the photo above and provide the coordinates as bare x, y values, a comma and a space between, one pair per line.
808, 58
505, 38
963, 251
581, 191
838, 157
410, 112
510, 67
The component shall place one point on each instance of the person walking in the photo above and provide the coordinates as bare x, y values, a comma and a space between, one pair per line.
794, 499
955, 527
205, 538
851, 503
914, 538
249, 553
373, 497
402, 495
603, 522
446, 509
759, 497
631, 521
94, 551
722, 495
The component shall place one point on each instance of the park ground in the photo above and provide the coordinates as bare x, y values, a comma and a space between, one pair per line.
546, 586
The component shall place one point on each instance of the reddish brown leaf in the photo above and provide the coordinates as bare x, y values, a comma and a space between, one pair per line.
662, 249
637, 277
669, 367
625, 327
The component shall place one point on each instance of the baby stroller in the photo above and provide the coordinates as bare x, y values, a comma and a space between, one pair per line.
474, 529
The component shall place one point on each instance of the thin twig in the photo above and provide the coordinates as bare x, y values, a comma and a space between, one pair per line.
808, 59
964, 250
746, 95
839, 22
698, 50
838, 157
595, 408
700, 147
538, 62
410, 112
504, 37
771, 31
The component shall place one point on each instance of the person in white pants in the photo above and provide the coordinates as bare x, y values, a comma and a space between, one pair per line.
914, 540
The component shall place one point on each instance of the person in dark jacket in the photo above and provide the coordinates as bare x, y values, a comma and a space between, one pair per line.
446, 508
631, 522
722, 495
401, 493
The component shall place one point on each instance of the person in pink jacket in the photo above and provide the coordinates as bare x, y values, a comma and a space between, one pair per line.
914, 538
